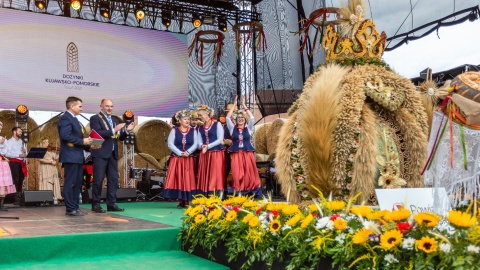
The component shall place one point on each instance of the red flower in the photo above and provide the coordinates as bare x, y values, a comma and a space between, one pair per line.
274, 213
236, 208
335, 216
314, 214
258, 211
404, 227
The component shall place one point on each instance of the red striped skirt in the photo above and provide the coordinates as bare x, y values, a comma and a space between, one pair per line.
211, 171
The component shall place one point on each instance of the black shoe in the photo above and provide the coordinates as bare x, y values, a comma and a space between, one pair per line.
75, 214
180, 206
114, 208
98, 209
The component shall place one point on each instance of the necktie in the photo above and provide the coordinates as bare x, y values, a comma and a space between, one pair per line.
110, 123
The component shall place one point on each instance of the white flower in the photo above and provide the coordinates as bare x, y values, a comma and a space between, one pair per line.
322, 223
295, 151
295, 137
368, 224
340, 238
296, 165
474, 249
408, 243
308, 240
286, 227
389, 258
445, 247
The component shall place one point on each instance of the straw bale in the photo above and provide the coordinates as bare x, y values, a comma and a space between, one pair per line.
140, 161
272, 134
151, 138
163, 161
8, 119
261, 132
261, 157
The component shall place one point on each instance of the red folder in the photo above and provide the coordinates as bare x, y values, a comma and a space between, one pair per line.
97, 139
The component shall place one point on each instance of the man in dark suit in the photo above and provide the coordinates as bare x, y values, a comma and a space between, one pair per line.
72, 144
105, 159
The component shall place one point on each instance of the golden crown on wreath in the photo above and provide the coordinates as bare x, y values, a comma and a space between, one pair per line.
366, 43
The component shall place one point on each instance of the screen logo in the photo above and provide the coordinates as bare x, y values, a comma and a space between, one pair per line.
72, 58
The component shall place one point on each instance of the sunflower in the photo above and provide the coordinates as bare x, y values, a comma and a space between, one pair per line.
231, 215
335, 205
362, 210
290, 209
247, 218
200, 218
340, 224
188, 210
294, 220
390, 239
461, 219
427, 244
254, 221
240, 199
361, 236
228, 201
308, 219
275, 226
250, 204
375, 215
199, 200
427, 219
474, 235
398, 215
212, 201
195, 211
215, 214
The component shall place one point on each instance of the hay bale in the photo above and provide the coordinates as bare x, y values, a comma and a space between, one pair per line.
272, 137
261, 133
151, 138
140, 160
164, 161
8, 119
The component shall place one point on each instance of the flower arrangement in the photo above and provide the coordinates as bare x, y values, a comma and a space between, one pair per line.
202, 107
353, 237
182, 114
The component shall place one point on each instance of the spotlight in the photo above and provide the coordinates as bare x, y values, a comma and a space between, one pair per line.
196, 20
25, 135
128, 117
105, 9
222, 23
166, 18
139, 13
40, 4
76, 4
21, 114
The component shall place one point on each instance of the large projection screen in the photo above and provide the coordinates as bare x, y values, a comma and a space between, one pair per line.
46, 58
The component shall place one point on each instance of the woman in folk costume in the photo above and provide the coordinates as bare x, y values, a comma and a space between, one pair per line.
182, 140
244, 169
6, 182
211, 167
48, 173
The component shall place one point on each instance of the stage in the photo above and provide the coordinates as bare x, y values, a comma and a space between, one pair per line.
142, 237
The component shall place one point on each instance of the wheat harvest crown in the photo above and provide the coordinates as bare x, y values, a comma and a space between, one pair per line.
366, 43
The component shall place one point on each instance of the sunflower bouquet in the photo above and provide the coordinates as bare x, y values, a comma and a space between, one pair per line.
331, 232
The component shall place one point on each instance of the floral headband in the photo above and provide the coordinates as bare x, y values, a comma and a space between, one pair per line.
182, 114
202, 107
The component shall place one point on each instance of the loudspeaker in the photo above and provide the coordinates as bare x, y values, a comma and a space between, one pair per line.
87, 196
36, 197
126, 194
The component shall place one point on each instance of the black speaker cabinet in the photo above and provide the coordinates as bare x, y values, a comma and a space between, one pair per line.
87, 196
36, 197
126, 194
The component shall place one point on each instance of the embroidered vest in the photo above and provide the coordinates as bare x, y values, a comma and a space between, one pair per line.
210, 135
239, 135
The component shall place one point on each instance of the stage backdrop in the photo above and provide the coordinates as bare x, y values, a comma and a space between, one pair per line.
44, 59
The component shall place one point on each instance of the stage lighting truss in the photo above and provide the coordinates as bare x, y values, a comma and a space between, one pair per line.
130, 139
21, 114
76, 4
25, 135
105, 9
40, 4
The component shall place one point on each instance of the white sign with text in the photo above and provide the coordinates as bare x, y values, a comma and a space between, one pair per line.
414, 199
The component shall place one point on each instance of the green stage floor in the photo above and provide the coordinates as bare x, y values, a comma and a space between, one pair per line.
155, 248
